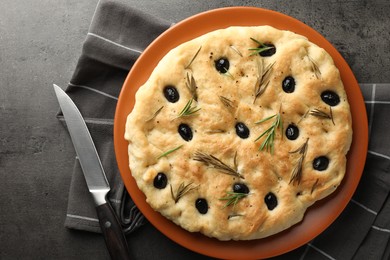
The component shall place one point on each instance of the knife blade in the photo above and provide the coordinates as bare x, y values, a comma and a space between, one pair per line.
94, 175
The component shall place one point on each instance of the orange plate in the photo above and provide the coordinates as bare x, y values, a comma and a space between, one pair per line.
321, 214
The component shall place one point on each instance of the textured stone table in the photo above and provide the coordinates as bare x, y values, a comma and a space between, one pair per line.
40, 42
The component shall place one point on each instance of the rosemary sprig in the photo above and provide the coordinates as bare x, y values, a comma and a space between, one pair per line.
268, 142
321, 114
155, 114
192, 87
263, 78
182, 190
296, 175
233, 198
236, 50
211, 160
188, 109
227, 102
314, 67
169, 152
262, 47
193, 58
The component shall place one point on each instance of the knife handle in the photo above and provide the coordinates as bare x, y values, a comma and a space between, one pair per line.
112, 231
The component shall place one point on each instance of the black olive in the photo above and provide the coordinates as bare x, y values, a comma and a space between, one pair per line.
222, 65
292, 132
160, 181
331, 98
240, 188
242, 130
202, 206
288, 84
320, 163
171, 94
185, 132
271, 201
269, 52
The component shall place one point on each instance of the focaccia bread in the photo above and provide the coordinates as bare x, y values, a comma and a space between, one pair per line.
237, 132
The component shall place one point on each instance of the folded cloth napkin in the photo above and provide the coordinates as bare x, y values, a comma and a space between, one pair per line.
116, 37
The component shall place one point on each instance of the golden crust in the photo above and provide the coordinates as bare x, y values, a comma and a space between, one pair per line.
152, 129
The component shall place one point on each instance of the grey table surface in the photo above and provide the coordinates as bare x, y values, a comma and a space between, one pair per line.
40, 42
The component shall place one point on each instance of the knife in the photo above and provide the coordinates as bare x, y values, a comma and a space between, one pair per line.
94, 175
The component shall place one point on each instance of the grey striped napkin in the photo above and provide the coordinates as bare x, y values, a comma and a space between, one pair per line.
116, 37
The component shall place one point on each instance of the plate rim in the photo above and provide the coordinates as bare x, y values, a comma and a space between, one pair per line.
245, 249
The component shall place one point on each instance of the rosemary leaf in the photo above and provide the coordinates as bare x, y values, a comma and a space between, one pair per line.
215, 131
318, 113
233, 197
155, 114
235, 162
256, 41
268, 143
193, 58
192, 87
314, 186
314, 67
262, 79
211, 160
188, 109
262, 47
321, 114
234, 215
331, 115
236, 50
304, 116
296, 175
266, 132
228, 73
261, 88
169, 152
269, 133
265, 119
182, 190
227, 102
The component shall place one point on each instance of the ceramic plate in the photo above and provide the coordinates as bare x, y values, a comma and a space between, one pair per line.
321, 214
